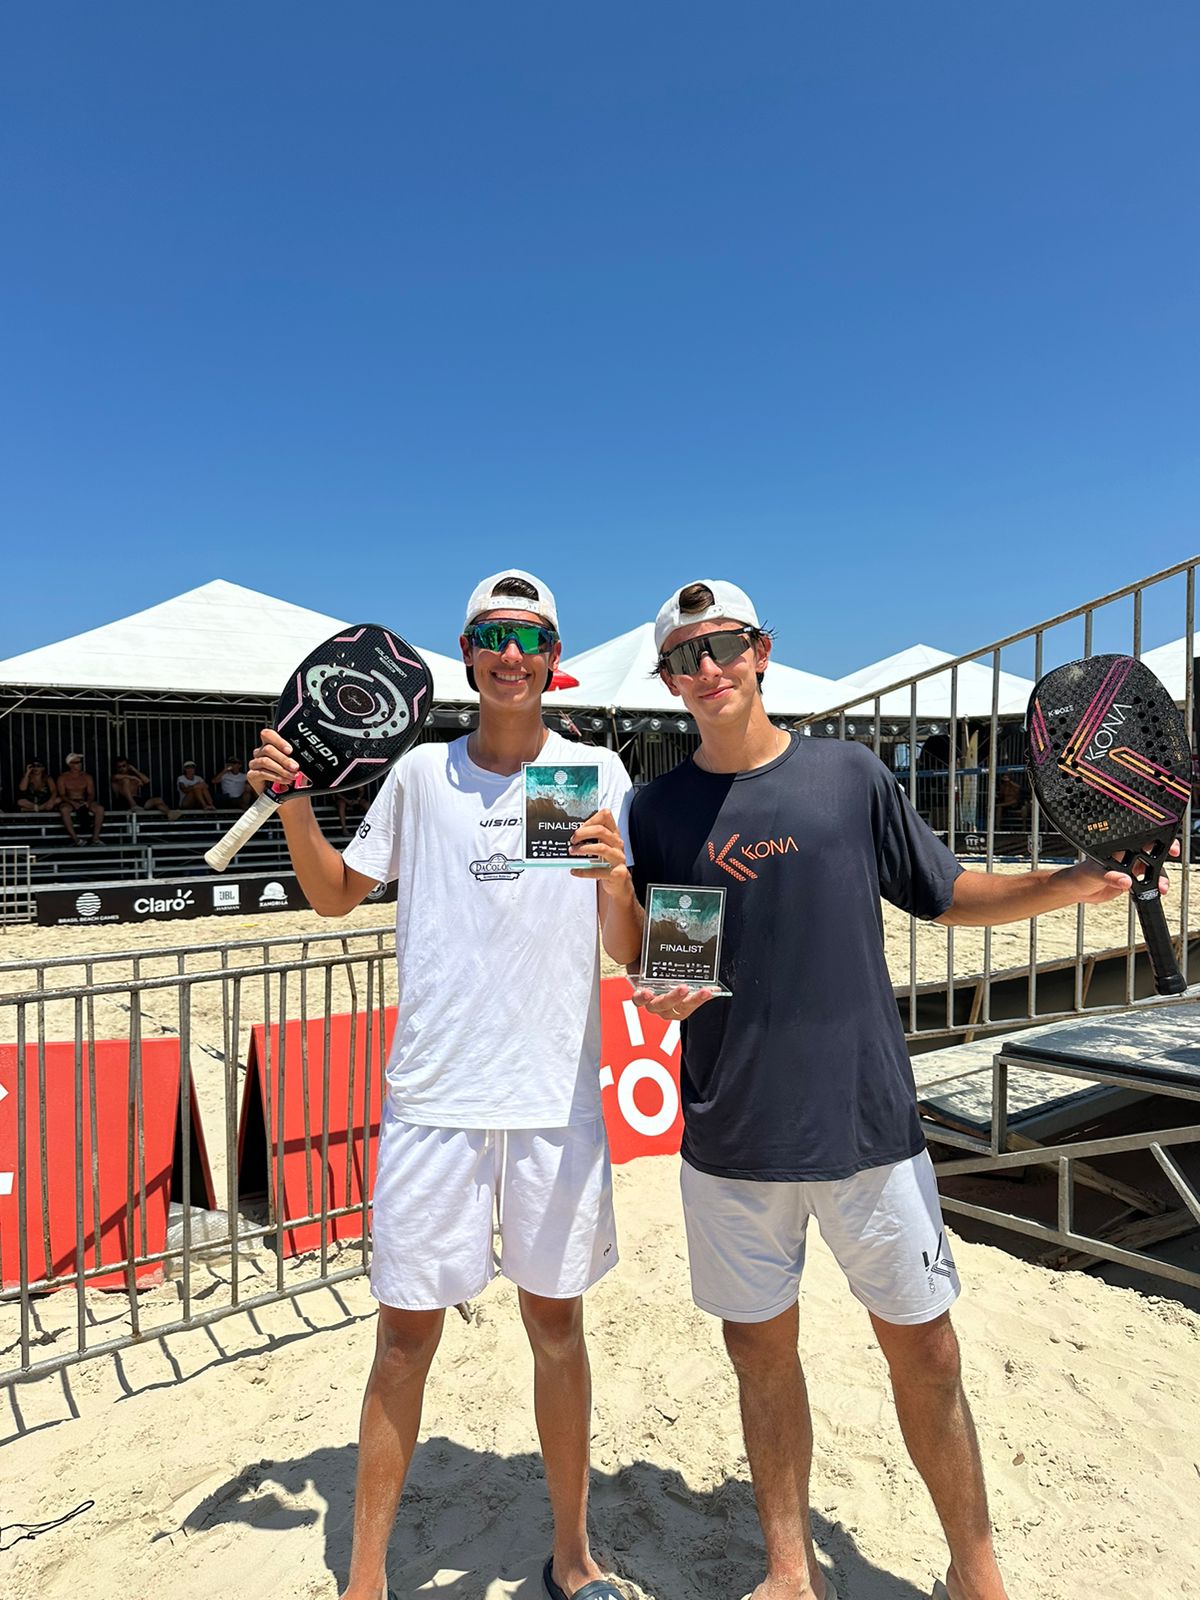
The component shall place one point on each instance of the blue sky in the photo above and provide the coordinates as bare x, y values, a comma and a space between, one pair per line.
887, 311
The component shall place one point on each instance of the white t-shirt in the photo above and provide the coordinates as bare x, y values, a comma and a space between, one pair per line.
499, 1008
233, 784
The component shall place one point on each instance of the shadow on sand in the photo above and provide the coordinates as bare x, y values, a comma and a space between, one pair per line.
470, 1516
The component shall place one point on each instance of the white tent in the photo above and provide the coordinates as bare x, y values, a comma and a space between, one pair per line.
619, 675
1170, 665
974, 697
217, 639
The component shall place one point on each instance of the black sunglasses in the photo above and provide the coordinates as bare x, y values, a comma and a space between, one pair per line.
684, 660
531, 638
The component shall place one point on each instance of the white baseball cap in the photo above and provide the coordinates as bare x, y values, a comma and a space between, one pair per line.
491, 595
728, 602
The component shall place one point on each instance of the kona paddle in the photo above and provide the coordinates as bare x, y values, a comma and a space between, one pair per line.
350, 709
1111, 766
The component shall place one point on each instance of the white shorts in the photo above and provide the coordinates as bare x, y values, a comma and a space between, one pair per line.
884, 1226
441, 1192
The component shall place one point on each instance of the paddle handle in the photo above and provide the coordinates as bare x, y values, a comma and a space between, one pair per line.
1167, 977
246, 826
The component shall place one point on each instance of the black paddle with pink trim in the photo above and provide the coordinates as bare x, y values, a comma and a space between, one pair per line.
350, 709
1111, 765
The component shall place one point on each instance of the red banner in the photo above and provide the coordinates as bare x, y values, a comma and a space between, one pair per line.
58, 1112
639, 1076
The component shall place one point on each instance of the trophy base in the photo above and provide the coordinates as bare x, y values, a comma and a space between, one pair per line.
665, 985
564, 861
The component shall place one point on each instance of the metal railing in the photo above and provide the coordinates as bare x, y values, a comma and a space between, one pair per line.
16, 892
974, 755
74, 1096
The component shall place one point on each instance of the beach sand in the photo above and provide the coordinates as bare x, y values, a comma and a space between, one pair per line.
221, 1460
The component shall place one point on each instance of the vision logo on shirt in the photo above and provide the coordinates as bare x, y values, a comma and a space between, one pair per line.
737, 862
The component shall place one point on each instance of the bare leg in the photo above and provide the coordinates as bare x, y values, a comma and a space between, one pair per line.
69, 824
405, 1343
562, 1403
97, 822
936, 1422
777, 1427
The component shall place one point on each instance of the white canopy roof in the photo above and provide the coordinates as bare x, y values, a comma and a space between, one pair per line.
217, 639
933, 694
1169, 664
619, 674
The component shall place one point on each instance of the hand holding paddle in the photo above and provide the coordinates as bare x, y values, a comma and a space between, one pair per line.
351, 708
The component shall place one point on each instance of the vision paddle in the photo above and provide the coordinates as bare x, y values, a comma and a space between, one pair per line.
350, 709
1111, 766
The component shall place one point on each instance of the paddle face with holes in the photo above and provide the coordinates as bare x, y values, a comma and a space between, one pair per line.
1111, 766
350, 709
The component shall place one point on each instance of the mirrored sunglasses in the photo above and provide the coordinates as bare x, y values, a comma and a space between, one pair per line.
531, 639
683, 661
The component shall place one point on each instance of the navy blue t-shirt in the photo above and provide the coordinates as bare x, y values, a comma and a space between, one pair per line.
804, 1073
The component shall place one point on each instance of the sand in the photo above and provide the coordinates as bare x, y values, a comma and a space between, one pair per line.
223, 1463
221, 1460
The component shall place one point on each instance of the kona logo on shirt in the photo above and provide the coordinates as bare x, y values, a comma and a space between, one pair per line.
738, 865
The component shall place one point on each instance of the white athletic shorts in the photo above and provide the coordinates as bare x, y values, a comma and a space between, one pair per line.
441, 1192
884, 1226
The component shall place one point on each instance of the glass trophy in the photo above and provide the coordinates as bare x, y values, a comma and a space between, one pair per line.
682, 941
558, 796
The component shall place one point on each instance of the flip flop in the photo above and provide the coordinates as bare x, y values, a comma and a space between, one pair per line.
598, 1589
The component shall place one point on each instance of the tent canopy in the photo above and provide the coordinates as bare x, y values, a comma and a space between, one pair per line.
974, 697
1170, 665
217, 639
619, 675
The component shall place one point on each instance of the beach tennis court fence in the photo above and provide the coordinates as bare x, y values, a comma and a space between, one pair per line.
111, 1062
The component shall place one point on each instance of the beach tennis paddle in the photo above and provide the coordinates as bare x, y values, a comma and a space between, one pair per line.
350, 709
1111, 765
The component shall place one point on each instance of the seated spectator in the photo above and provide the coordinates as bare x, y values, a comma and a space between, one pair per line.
194, 793
127, 784
37, 790
232, 784
1012, 803
77, 800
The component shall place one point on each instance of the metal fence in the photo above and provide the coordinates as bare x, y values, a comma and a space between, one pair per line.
966, 799
16, 884
55, 1018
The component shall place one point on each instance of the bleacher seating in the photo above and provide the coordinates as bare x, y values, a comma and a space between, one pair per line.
135, 846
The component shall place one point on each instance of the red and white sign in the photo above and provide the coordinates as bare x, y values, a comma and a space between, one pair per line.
639, 1076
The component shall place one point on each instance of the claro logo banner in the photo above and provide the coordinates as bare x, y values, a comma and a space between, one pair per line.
107, 903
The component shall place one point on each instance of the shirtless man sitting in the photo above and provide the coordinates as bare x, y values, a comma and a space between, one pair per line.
77, 800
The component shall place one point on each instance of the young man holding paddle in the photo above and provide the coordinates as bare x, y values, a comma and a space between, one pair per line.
493, 1093
797, 1093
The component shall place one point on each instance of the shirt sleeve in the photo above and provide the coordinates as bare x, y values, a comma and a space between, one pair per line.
917, 871
375, 848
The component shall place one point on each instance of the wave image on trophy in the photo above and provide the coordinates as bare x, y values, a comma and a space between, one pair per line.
683, 935
557, 799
